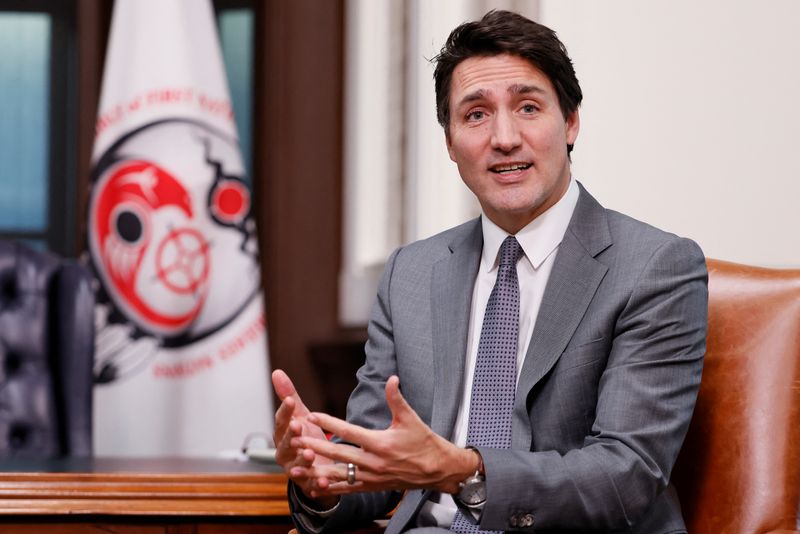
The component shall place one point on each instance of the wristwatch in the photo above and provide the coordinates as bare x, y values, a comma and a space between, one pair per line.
472, 492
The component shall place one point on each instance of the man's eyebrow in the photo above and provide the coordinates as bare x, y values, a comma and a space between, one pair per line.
479, 94
523, 89
517, 89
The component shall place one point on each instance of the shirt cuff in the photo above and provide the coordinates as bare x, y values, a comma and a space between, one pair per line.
302, 500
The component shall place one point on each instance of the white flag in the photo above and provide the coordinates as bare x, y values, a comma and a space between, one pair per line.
181, 353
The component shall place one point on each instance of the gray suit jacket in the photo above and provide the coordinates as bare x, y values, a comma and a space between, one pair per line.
606, 390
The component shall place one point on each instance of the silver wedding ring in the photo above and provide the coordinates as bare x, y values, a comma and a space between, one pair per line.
351, 474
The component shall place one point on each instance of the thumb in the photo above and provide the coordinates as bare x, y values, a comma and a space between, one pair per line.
397, 403
283, 384
284, 388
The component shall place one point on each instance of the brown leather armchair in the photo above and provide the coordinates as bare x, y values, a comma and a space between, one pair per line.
739, 469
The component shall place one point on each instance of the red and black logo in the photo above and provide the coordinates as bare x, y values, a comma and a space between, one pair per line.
171, 240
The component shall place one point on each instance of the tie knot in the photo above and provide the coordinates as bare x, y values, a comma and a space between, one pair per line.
510, 252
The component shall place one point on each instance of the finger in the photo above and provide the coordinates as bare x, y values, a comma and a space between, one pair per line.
319, 485
284, 388
335, 473
309, 478
309, 472
311, 486
341, 488
295, 428
287, 455
303, 472
307, 457
285, 434
348, 432
283, 416
397, 403
335, 451
283, 384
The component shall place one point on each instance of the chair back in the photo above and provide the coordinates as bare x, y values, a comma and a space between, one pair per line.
739, 468
46, 353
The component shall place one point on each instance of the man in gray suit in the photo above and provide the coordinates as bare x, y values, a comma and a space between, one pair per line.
608, 328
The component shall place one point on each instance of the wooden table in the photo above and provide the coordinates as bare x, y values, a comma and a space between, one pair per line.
132, 496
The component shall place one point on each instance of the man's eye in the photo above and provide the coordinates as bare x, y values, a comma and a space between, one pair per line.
529, 108
475, 115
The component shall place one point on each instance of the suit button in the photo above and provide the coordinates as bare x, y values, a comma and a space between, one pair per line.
514, 521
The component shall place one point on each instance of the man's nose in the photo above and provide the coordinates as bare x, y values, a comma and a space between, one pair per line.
505, 133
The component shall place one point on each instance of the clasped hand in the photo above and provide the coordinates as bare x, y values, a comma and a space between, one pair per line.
406, 455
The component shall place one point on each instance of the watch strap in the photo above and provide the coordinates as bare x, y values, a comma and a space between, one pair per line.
480, 469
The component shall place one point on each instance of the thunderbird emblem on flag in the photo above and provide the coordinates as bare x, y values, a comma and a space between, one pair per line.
162, 242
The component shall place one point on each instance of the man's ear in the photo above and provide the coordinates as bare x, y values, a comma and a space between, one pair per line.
449, 143
573, 126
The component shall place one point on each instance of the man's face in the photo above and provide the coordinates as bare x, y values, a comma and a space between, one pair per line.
509, 137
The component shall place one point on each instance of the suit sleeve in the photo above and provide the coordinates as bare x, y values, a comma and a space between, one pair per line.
367, 407
646, 396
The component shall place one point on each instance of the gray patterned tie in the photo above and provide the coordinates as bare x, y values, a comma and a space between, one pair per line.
495, 379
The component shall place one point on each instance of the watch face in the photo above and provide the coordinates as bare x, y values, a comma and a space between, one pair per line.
473, 492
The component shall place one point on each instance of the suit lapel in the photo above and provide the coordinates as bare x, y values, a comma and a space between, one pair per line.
452, 284
573, 282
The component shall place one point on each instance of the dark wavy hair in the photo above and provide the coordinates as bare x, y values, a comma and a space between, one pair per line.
504, 32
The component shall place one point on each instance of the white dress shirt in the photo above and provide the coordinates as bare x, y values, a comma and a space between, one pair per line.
539, 241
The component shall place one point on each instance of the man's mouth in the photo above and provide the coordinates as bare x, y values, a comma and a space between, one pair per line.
510, 168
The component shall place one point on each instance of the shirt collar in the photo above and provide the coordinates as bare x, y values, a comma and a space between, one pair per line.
538, 239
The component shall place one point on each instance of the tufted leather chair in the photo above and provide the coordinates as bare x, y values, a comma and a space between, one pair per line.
739, 468
46, 352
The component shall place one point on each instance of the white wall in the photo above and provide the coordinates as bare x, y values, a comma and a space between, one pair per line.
691, 117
